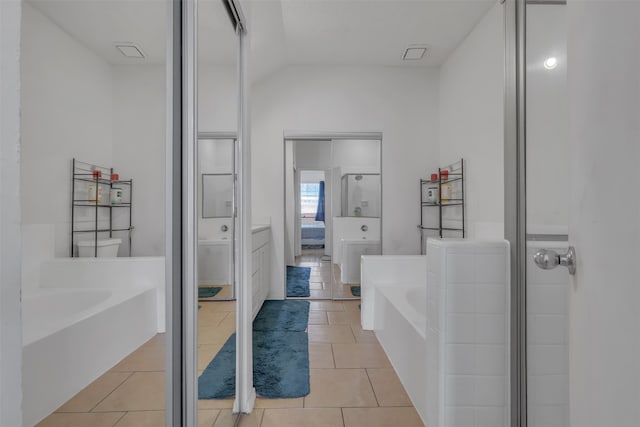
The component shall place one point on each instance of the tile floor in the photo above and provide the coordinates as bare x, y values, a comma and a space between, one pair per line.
352, 382
320, 279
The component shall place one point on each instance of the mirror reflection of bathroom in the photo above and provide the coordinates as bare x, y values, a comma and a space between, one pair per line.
217, 110
216, 197
93, 172
333, 207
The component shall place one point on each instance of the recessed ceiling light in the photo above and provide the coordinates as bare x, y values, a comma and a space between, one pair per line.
414, 53
130, 50
551, 63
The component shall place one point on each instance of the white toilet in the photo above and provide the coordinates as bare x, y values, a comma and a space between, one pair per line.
352, 250
107, 248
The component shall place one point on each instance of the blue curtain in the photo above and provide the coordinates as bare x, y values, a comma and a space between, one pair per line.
320, 211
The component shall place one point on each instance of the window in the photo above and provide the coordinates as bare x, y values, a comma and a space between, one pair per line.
309, 199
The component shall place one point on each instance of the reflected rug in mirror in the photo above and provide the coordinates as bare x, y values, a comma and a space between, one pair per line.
208, 291
280, 355
298, 281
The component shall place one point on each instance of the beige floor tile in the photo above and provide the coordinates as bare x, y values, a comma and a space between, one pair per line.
215, 334
211, 318
331, 333
227, 419
360, 355
206, 418
91, 395
327, 306
339, 388
206, 353
353, 305
279, 403
142, 391
344, 317
388, 388
316, 285
142, 419
204, 404
381, 417
318, 318
362, 335
321, 356
148, 357
218, 305
81, 420
320, 293
307, 417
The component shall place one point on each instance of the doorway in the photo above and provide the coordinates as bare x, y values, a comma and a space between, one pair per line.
333, 212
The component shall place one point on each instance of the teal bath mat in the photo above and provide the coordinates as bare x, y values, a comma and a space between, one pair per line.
355, 291
298, 281
280, 355
208, 291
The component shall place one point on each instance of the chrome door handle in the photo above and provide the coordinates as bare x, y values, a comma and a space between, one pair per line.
548, 259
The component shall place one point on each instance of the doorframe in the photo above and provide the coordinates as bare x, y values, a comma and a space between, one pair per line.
515, 201
328, 136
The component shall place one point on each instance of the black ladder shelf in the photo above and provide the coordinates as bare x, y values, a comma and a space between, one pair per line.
90, 192
453, 195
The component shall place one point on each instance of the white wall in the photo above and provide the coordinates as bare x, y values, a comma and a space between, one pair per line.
66, 113
401, 103
10, 309
604, 212
471, 122
138, 107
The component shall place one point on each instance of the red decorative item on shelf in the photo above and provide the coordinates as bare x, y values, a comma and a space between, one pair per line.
115, 177
445, 174
434, 177
97, 173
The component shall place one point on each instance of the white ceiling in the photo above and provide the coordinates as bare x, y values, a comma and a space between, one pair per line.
330, 32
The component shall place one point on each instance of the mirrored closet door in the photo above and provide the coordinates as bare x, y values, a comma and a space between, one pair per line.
215, 216
333, 206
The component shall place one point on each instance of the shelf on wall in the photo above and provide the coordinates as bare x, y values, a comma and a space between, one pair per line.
83, 172
452, 177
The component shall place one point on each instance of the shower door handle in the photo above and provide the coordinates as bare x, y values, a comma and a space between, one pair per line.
548, 259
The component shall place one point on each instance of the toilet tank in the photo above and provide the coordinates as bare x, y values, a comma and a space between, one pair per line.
352, 250
214, 262
106, 248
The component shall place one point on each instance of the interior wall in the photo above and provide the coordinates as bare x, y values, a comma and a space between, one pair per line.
399, 102
66, 112
139, 97
604, 130
10, 289
471, 122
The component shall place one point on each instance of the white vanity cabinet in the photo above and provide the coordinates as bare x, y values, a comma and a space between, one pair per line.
260, 265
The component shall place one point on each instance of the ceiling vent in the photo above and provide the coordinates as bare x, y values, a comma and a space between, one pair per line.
130, 50
414, 53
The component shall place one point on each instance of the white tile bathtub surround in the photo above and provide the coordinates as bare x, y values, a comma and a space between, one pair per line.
547, 340
467, 333
456, 372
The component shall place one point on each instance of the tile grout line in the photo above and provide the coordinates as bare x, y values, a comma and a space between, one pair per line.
111, 392
372, 388
119, 419
342, 414
261, 418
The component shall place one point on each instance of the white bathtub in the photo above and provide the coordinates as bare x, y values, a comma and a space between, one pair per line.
90, 315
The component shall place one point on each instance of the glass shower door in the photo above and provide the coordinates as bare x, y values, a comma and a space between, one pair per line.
547, 163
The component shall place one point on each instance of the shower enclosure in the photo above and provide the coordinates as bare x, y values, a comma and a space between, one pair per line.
360, 194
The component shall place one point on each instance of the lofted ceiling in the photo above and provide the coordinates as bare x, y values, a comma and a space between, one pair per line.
328, 32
